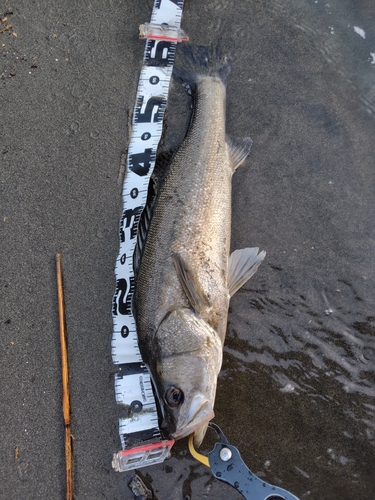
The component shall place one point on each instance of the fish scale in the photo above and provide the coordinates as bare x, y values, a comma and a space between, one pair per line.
192, 214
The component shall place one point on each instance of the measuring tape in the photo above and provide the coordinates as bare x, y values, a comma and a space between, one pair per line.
141, 440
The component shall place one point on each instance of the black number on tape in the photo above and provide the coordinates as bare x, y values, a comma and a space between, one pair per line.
134, 193
153, 109
140, 437
130, 216
124, 332
123, 258
146, 136
160, 52
122, 303
136, 406
130, 369
140, 163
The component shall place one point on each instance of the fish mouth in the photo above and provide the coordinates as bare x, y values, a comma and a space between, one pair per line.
200, 413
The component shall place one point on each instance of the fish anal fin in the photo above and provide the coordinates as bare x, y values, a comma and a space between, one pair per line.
239, 150
193, 289
242, 265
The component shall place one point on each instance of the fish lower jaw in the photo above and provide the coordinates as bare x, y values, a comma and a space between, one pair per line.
190, 428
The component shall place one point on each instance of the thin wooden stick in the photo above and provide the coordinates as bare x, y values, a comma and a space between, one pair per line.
65, 381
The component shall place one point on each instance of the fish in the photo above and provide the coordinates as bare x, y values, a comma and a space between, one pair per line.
185, 275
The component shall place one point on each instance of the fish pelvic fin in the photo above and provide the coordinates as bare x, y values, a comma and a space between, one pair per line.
242, 265
193, 289
239, 151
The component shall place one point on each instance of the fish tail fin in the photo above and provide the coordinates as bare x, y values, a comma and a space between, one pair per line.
201, 60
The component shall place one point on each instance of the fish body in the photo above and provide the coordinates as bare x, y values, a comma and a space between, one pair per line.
185, 277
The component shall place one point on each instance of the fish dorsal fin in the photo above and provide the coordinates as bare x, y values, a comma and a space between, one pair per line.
242, 265
193, 289
239, 150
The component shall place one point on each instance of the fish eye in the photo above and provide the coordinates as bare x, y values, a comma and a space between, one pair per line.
174, 397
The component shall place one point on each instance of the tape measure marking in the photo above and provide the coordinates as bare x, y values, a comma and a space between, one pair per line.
133, 388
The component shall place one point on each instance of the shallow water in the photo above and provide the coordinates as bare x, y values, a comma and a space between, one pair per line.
296, 392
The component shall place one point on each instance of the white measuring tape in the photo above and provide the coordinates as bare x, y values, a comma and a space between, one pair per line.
139, 431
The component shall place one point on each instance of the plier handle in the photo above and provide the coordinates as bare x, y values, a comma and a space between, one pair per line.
227, 465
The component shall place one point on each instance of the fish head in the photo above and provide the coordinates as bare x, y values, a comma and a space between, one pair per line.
185, 369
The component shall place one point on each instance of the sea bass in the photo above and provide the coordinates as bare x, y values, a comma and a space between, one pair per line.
185, 276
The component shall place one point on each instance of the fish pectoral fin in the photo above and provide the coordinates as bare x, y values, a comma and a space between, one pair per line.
193, 289
239, 150
242, 265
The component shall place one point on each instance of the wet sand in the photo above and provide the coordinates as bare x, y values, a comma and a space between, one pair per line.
296, 393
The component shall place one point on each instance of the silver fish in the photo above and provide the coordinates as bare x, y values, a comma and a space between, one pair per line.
186, 277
